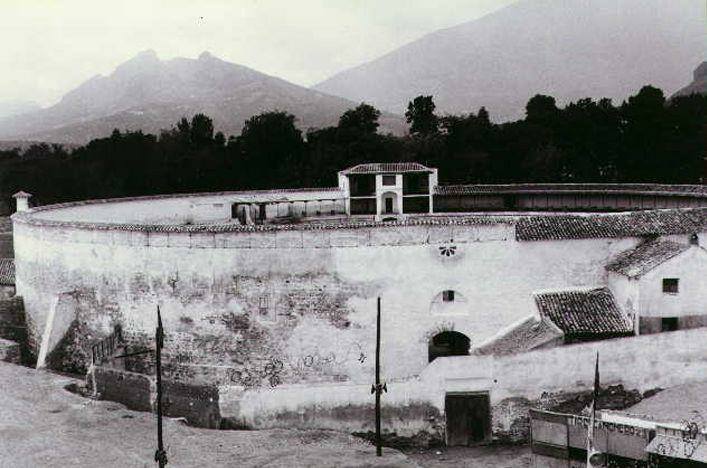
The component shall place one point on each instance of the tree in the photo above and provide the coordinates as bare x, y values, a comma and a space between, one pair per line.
271, 147
202, 130
541, 109
421, 116
363, 119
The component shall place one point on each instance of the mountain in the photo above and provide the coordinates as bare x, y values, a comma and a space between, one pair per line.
16, 107
699, 82
565, 48
151, 94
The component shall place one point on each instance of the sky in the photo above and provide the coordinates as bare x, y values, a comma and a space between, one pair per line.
52, 46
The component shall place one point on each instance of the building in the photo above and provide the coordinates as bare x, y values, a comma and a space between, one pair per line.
388, 189
271, 294
664, 430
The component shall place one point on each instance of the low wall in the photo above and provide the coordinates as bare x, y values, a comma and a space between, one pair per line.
515, 383
131, 389
198, 404
13, 325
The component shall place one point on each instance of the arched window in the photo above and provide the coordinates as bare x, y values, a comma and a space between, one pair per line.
449, 302
448, 343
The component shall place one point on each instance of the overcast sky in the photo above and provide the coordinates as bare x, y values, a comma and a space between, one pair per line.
51, 46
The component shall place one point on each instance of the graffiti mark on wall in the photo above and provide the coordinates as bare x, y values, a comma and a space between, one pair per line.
268, 373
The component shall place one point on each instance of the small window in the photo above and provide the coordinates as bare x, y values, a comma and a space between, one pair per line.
670, 285
669, 324
448, 296
388, 180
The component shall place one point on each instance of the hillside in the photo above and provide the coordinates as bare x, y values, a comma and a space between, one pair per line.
699, 82
15, 107
151, 94
566, 48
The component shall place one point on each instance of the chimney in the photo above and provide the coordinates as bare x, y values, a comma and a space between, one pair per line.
22, 200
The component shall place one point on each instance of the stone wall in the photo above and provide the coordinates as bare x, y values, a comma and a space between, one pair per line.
198, 404
292, 306
131, 389
13, 325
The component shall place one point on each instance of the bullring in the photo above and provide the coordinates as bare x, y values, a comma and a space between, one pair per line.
270, 295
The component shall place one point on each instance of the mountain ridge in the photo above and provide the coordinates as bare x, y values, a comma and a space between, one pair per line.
568, 49
150, 94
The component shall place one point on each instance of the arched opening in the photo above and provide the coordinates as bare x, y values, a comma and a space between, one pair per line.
449, 301
389, 203
448, 343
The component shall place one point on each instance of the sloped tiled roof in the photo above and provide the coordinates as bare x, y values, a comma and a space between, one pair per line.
657, 189
376, 168
530, 333
581, 312
632, 224
642, 259
7, 271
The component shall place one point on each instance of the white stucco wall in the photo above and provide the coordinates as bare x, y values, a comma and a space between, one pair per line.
126, 273
690, 268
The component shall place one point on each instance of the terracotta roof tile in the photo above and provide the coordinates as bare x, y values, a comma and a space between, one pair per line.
533, 332
581, 312
642, 259
684, 190
375, 168
7, 271
631, 224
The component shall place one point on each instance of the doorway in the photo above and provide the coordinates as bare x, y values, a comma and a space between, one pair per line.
468, 418
388, 205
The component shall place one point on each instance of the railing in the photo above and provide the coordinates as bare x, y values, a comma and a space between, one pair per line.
106, 347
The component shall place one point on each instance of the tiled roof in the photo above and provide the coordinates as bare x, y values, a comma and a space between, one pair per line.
581, 312
531, 333
664, 189
640, 260
376, 168
7, 271
527, 228
632, 224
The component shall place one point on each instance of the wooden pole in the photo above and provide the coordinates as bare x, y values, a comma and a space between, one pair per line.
160, 454
379, 449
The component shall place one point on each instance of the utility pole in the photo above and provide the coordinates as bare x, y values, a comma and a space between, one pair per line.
160, 454
377, 388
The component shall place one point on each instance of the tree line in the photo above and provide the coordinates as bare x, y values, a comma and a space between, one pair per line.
644, 139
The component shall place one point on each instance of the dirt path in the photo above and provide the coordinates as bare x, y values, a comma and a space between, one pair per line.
42, 425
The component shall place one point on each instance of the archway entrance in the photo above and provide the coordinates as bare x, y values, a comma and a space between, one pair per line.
448, 343
389, 203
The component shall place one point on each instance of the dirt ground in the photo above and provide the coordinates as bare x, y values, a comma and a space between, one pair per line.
43, 425
492, 456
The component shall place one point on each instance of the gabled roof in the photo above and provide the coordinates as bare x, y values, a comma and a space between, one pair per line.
582, 312
377, 168
7, 271
642, 259
22, 194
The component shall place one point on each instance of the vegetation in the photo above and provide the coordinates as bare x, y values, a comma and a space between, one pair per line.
645, 139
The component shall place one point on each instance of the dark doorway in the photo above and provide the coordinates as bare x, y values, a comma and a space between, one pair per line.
388, 205
468, 418
449, 343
